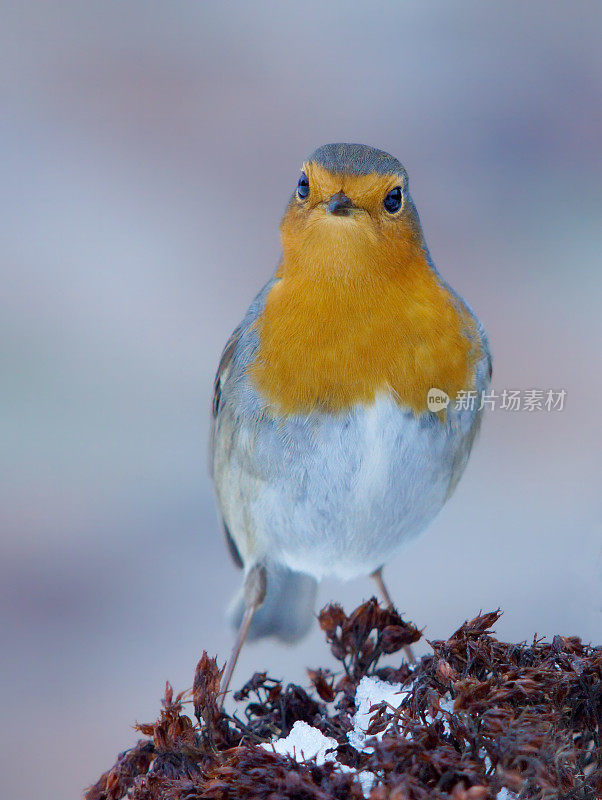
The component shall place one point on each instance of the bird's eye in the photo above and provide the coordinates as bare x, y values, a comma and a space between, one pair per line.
303, 186
392, 201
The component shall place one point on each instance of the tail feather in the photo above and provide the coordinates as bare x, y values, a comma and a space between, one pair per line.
288, 608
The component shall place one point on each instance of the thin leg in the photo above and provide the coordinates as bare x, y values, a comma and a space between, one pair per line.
255, 588
377, 575
240, 639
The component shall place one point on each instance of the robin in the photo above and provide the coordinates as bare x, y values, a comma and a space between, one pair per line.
338, 433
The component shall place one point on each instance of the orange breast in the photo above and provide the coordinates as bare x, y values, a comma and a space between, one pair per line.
329, 342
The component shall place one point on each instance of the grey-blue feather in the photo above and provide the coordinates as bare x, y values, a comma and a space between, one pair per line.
287, 611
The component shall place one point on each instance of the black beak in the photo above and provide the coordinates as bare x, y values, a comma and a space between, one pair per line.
339, 204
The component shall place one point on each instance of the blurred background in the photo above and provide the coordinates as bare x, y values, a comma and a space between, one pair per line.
148, 151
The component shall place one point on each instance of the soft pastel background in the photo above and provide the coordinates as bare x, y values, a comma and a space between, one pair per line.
148, 149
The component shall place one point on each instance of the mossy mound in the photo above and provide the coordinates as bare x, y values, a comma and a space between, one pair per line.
477, 719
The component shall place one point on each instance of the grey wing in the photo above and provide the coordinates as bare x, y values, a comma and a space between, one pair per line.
237, 341
222, 372
487, 357
220, 377
482, 380
238, 344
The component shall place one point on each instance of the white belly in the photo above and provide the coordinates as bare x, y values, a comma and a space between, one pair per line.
337, 494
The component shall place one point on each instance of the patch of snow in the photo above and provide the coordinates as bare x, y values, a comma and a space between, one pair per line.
365, 777
304, 742
505, 794
370, 692
447, 704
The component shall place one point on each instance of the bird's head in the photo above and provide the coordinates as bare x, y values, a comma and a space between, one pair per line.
351, 211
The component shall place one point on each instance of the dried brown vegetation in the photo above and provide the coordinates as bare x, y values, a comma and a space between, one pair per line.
527, 718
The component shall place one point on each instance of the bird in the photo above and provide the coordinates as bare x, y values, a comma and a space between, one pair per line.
325, 453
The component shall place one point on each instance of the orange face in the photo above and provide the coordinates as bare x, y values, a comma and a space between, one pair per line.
358, 311
366, 237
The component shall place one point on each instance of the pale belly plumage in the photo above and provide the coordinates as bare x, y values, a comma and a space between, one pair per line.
337, 494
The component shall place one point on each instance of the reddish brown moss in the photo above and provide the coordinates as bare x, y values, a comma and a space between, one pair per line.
525, 717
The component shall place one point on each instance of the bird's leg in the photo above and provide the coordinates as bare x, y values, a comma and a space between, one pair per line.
377, 575
255, 589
